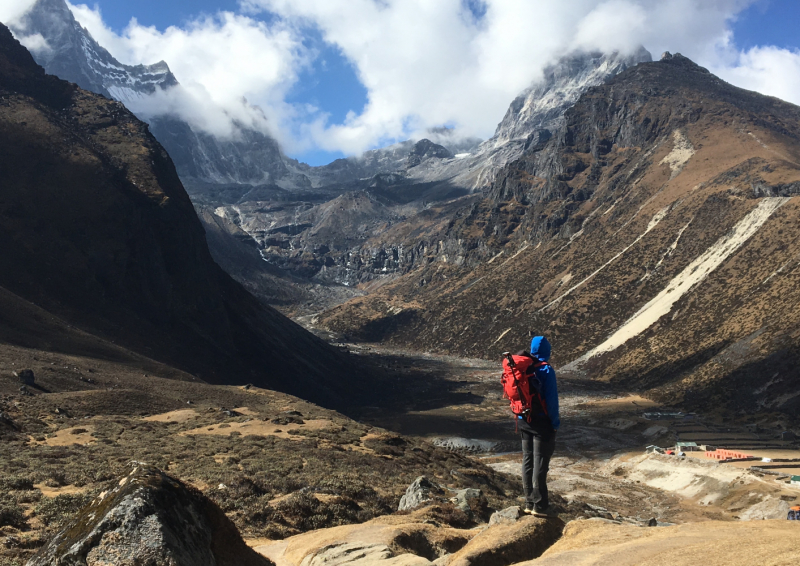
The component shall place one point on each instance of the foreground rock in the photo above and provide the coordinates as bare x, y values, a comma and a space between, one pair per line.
711, 543
509, 543
417, 539
149, 519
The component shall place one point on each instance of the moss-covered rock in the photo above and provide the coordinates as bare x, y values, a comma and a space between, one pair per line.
149, 519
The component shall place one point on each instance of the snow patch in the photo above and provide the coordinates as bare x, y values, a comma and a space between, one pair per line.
682, 151
694, 273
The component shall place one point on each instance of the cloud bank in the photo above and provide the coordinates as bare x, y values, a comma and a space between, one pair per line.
424, 63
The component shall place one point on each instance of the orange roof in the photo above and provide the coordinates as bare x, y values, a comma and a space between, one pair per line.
796, 508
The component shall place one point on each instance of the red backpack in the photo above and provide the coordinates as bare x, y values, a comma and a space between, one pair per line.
517, 386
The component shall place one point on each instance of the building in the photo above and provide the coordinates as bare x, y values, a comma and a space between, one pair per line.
687, 447
795, 480
788, 435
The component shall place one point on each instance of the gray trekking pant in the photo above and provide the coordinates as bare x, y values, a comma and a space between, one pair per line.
538, 445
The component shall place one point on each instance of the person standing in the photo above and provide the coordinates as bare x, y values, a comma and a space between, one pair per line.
538, 429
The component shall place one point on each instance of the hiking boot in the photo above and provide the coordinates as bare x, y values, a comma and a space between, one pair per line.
528, 510
544, 512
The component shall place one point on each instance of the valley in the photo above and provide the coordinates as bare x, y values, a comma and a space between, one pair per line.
211, 353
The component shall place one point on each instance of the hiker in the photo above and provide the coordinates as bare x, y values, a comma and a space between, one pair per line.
534, 400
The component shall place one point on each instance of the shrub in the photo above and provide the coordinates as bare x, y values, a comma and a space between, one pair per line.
56, 512
16, 483
11, 515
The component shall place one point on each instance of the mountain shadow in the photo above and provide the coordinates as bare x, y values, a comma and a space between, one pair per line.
96, 228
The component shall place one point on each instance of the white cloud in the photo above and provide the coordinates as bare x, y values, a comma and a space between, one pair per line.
768, 70
429, 63
424, 63
35, 43
225, 63
12, 10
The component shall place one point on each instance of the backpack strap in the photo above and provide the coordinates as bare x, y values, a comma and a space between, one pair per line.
536, 366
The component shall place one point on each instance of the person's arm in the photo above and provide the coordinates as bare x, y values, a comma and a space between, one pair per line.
547, 377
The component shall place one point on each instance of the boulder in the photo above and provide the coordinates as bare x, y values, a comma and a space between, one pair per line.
472, 502
149, 519
422, 490
26, 376
507, 515
464, 496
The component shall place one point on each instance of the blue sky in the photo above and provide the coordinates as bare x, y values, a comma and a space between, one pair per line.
769, 22
361, 60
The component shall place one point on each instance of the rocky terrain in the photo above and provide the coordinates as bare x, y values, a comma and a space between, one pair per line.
651, 240
154, 411
386, 200
102, 248
303, 484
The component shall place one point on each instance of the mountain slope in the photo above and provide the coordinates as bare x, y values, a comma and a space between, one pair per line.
409, 178
653, 239
96, 228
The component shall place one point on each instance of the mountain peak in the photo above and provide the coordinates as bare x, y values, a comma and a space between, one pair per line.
73, 54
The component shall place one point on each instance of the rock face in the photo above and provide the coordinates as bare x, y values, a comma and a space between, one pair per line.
72, 54
532, 118
149, 518
646, 238
97, 229
388, 237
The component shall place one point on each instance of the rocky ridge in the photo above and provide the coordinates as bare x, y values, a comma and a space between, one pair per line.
70, 52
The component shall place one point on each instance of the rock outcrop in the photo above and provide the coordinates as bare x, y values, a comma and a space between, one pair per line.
713, 543
149, 519
422, 491
420, 538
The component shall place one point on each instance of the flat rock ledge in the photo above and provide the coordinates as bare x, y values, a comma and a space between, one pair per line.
149, 519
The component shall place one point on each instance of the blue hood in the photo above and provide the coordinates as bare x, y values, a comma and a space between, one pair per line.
540, 348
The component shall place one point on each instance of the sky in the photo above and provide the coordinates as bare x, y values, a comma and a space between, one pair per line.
329, 78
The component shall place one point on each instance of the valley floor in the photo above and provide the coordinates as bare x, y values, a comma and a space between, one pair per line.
600, 454
281, 467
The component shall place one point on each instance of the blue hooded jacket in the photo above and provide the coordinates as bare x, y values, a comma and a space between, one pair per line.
540, 349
